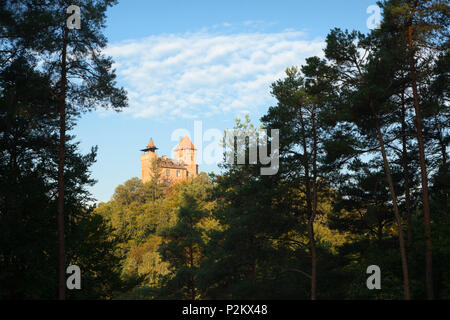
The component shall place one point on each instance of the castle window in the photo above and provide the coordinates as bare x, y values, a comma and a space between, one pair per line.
167, 172
178, 173
187, 173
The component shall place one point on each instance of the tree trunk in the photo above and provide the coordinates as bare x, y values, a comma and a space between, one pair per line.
423, 170
443, 148
309, 205
192, 280
406, 178
62, 143
445, 167
314, 212
395, 205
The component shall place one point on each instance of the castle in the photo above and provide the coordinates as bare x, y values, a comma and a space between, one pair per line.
170, 170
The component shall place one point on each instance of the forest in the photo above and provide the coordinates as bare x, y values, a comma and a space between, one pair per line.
363, 175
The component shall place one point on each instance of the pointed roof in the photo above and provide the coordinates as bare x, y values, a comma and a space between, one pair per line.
151, 145
185, 143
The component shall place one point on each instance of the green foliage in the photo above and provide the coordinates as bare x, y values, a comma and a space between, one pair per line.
144, 218
28, 185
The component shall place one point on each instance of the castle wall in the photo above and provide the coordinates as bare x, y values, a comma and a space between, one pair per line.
173, 175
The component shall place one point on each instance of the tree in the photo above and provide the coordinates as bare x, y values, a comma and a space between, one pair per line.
80, 77
421, 30
251, 254
183, 244
28, 189
365, 92
299, 148
182, 247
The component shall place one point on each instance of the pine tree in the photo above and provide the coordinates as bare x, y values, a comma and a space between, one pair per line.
80, 77
365, 94
183, 246
420, 28
28, 191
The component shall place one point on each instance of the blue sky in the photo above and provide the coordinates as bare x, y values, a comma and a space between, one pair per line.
204, 61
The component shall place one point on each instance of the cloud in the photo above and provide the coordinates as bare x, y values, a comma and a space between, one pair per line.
202, 74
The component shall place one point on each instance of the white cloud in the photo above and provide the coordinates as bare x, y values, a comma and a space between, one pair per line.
204, 74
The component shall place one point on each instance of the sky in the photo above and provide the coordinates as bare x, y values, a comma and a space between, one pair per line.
193, 67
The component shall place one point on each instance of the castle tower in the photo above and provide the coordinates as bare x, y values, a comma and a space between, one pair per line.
147, 161
186, 152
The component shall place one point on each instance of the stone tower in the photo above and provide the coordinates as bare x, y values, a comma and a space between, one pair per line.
186, 153
147, 161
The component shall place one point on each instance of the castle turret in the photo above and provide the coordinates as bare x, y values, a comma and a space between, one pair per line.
186, 152
147, 161
150, 147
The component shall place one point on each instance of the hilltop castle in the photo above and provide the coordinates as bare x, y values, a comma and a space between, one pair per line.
171, 170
